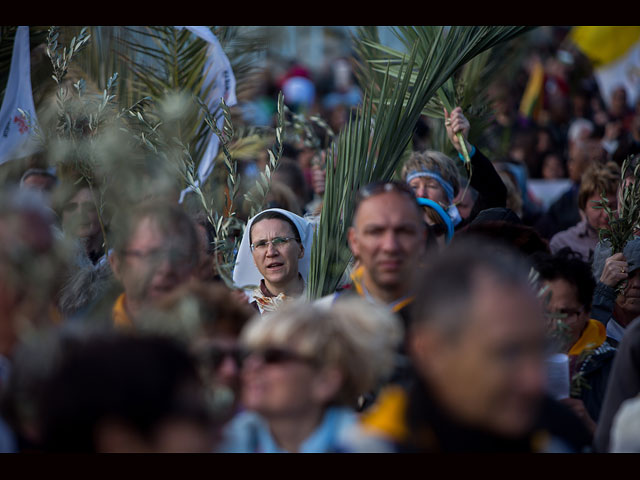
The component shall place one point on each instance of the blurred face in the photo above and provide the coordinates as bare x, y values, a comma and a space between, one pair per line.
222, 358
425, 187
597, 217
552, 167
388, 239
280, 382
577, 161
491, 375
618, 101
154, 263
39, 182
277, 263
79, 215
564, 301
464, 202
629, 300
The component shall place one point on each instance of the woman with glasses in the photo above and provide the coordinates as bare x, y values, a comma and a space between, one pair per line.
305, 369
273, 260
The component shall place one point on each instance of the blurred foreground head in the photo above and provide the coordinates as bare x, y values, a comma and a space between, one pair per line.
155, 249
208, 319
477, 338
31, 263
305, 358
125, 393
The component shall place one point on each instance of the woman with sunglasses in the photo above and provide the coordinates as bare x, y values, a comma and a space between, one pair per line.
273, 260
306, 368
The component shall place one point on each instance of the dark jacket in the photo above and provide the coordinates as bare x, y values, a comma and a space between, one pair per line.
595, 371
403, 368
486, 181
425, 427
624, 383
561, 215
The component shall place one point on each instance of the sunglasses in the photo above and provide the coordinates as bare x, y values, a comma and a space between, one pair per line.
215, 356
278, 356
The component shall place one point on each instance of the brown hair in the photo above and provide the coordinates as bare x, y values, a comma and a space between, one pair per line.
598, 179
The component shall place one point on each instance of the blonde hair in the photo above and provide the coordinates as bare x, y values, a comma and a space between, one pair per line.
434, 161
598, 179
351, 335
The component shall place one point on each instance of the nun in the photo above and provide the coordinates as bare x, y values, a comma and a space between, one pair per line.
274, 257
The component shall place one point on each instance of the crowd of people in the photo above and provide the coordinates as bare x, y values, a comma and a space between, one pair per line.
119, 334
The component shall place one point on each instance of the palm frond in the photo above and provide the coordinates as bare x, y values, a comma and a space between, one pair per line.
371, 146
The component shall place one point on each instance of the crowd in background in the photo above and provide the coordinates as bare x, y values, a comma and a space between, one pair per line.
121, 335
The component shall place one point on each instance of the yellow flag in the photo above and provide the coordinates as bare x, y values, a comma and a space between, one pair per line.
614, 52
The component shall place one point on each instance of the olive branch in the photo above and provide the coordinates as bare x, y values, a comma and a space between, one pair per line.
625, 220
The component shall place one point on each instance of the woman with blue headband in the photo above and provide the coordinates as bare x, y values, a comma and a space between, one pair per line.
434, 176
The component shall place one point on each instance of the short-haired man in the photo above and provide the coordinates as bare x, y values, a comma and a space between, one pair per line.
477, 341
155, 249
387, 239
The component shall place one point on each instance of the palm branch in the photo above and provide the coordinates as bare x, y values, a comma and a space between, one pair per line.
371, 146
465, 88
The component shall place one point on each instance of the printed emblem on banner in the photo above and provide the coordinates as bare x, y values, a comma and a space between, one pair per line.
22, 125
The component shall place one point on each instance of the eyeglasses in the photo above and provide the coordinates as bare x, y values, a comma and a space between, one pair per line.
177, 255
278, 356
563, 313
276, 242
215, 356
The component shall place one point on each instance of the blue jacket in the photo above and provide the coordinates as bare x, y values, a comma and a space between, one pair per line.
248, 432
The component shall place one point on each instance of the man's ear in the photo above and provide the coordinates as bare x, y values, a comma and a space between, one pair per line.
301, 251
352, 238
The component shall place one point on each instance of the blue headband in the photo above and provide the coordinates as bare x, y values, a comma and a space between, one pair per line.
444, 215
446, 186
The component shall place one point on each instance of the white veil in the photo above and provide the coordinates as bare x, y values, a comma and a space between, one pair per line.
245, 272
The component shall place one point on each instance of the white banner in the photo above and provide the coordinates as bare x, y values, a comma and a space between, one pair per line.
220, 75
16, 139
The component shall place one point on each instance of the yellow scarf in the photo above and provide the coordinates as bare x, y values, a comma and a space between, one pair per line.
356, 278
592, 337
386, 416
119, 314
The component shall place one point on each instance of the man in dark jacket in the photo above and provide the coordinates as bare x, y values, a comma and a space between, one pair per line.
477, 341
624, 383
